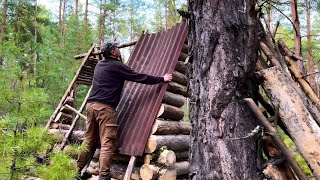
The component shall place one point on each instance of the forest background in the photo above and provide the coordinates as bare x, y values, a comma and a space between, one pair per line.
37, 49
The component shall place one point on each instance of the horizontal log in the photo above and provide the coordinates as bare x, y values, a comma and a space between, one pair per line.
179, 78
148, 172
69, 100
177, 89
76, 136
173, 99
84, 83
182, 155
181, 67
299, 123
59, 126
185, 48
182, 167
182, 56
170, 112
273, 172
170, 127
173, 142
126, 44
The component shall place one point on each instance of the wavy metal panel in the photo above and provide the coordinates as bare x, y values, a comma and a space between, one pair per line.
154, 54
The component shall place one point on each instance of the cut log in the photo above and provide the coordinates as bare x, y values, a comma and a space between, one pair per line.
173, 142
76, 136
182, 167
167, 158
179, 78
185, 48
148, 172
69, 100
272, 151
182, 56
177, 88
181, 67
273, 172
182, 155
171, 127
173, 99
170, 112
59, 126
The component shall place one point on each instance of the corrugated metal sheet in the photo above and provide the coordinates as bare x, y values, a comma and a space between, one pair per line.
154, 54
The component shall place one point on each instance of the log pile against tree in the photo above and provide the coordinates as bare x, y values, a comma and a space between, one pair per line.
292, 104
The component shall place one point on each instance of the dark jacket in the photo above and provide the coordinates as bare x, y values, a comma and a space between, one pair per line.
108, 79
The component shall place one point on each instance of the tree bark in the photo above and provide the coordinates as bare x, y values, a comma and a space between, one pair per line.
224, 42
182, 167
2, 28
181, 67
303, 129
179, 78
296, 31
148, 172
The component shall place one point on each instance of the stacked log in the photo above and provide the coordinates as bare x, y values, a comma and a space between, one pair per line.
294, 107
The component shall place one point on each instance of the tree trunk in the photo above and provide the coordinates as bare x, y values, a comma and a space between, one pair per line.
310, 65
303, 129
2, 28
76, 9
268, 19
60, 17
85, 23
296, 30
35, 37
224, 42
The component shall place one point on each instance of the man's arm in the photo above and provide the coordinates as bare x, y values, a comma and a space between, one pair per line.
128, 74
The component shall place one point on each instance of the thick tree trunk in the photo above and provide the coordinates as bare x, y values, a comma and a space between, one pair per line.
296, 30
2, 28
303, 129
224, 44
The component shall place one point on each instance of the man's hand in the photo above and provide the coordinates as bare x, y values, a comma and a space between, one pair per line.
167, 77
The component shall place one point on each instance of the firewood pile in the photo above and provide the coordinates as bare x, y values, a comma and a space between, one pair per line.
286, 100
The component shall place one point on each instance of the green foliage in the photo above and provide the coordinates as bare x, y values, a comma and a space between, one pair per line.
297, 156
60, 167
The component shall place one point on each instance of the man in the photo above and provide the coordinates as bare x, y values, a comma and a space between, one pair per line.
101, 126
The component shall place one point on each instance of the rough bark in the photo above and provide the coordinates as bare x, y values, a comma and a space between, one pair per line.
296, 31
181, 67
76, 9
179, 78
298, 121
224, 43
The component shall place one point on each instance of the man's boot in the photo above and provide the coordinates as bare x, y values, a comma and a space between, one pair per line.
82, 176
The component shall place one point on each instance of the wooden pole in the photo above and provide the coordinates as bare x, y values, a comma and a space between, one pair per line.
275, 136
131, 165
126, 44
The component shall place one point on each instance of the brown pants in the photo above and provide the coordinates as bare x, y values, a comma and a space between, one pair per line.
101, 126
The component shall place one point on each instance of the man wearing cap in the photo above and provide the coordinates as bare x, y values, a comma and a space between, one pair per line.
101, 125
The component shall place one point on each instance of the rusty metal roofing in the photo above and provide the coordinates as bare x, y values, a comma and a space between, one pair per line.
154, 54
